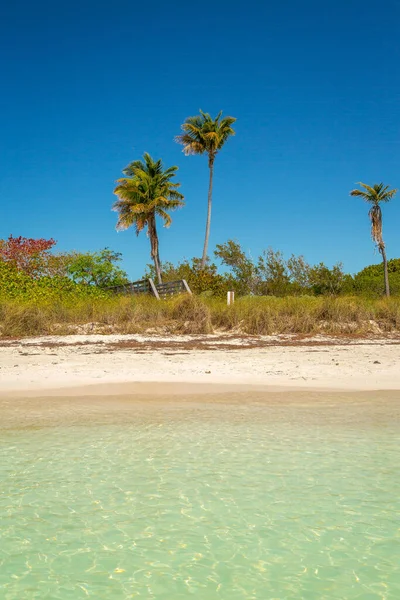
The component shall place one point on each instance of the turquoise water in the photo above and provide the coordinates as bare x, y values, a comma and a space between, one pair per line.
246, 498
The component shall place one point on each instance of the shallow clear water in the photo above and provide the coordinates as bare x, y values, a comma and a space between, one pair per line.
245, 498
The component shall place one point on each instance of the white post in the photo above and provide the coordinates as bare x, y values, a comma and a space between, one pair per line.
230, 298
187, 288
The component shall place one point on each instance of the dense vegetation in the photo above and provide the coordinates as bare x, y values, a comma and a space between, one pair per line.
193, 314
42, 292
273, 275
30, 271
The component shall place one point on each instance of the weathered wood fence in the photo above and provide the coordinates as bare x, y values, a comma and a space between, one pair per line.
147, 286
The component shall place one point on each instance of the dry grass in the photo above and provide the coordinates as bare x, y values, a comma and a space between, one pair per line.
185, 314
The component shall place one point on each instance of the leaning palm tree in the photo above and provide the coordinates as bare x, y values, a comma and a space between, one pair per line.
147, 192
204, 135
375, 195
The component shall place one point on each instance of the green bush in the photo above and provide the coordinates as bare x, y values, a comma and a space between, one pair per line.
16, 284
370, 282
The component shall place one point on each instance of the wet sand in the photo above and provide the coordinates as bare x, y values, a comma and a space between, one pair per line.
131, 404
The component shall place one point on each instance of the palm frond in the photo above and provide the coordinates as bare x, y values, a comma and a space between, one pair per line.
192, 130
145, 190
388, 195
190, 144
164, 216
361, 194
174, 195
203, 134
171, 171
374, 194
212, 136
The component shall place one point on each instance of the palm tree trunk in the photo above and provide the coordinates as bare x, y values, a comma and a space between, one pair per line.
210, 187
155, 255
385, 268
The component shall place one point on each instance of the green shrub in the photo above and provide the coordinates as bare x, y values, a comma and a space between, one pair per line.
15, 284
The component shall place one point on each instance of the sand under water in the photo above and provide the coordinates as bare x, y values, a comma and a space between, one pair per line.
205, 493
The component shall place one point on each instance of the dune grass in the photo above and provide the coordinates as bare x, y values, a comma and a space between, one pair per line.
190, 314
310, 315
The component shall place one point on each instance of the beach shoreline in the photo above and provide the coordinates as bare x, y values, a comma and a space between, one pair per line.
131, 364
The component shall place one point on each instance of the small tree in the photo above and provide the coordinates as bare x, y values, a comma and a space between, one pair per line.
326, 281
273, 273
29, 255
299, 274
244, 271
97, 268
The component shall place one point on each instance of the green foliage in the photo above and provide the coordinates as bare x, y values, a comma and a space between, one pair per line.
245, 276
376, 270
273, 275
369, 281
29, 269
274, 279
206, 281
147, 192
144, 192
325, 281
16, 284
280, 277
299, 273
203, 134
374, 194
96, 268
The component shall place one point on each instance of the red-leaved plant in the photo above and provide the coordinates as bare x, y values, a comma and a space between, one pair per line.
27, 254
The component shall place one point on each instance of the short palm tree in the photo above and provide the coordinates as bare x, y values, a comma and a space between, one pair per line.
375, 195
147, 192
204, 135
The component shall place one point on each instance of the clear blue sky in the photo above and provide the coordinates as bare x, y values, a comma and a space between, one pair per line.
315, 86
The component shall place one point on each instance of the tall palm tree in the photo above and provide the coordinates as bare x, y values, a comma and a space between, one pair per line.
204, 135
375, 195
147, 192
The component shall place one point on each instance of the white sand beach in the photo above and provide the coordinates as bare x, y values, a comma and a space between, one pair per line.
36, 365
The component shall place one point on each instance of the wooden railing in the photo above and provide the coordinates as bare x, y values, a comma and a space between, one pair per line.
147, 286
136, 287
173, 287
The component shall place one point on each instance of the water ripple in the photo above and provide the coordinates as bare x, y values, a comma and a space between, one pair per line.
214, 501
